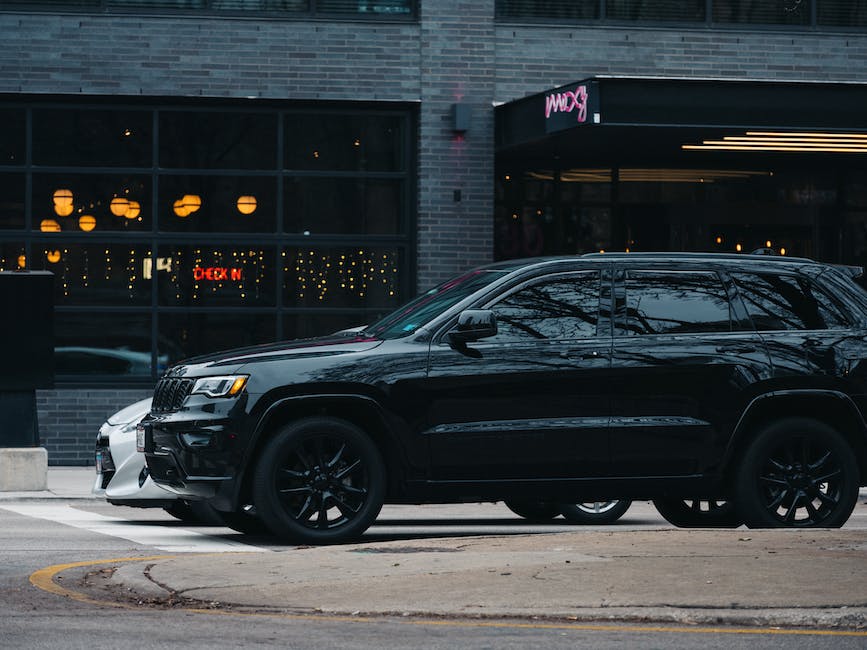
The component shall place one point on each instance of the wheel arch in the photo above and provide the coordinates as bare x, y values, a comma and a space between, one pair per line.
362, 411
834, 408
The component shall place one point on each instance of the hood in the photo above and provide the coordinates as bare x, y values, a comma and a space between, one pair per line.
132, 413
345, 342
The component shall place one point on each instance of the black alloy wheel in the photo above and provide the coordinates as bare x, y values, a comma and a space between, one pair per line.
320, 480
698, 513
595, 512
538, 511
798, 472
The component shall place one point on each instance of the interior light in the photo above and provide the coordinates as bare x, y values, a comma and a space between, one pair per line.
49, 225
787, 142
782, 251
768, 244
86, 222
133, 210
119, 206
180, 209
192, 202
53, 256
738, 248
22, 261
719, 240
246, 204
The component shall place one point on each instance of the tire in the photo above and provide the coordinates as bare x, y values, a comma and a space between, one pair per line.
320, 480
195, 512
595, 512
243, 522
534, 510
181, 510
797, 473
697, 513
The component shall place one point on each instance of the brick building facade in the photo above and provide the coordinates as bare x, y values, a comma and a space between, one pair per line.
448, 52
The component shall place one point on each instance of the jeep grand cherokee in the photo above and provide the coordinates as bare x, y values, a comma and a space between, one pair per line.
673, 377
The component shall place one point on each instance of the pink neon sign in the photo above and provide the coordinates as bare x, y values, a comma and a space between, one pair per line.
568, 102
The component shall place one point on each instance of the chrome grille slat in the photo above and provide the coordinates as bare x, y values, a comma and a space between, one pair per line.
170, 393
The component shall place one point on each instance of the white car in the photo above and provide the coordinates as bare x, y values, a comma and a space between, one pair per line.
122, 476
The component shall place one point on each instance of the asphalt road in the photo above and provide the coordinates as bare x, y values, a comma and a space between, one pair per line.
67, 532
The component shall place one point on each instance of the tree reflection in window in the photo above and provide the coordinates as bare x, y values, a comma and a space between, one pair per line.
566, 307
780, 302
676, 302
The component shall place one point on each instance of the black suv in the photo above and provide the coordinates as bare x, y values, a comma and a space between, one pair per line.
684, 378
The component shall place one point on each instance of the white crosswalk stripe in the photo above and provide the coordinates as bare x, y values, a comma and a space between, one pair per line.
170, 539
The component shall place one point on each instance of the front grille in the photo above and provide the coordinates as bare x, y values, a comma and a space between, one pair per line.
170, 393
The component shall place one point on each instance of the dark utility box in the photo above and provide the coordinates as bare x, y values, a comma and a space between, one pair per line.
27, 330
27, 350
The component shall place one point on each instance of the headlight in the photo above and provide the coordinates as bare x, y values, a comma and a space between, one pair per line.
225, 386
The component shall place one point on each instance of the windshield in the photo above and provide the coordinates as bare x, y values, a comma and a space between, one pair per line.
429, 305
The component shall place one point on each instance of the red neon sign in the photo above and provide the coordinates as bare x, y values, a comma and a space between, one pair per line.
217, 273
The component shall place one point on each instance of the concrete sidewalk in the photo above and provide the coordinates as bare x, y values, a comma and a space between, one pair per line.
812, 578
63, 483
710, 577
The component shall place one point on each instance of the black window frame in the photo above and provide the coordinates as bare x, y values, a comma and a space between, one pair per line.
152, 237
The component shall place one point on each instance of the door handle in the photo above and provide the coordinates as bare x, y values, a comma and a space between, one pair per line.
736, 347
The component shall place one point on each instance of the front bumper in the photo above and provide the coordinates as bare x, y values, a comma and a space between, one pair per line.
196, 453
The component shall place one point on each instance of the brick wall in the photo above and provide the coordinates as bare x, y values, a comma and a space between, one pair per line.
456, 53
70, 418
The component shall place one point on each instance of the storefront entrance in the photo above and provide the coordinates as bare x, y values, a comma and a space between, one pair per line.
763, 172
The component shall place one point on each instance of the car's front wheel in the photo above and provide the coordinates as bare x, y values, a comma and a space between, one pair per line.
798, 472
319, 480
698, 513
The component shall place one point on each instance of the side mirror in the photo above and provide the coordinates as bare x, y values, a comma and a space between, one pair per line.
473, 324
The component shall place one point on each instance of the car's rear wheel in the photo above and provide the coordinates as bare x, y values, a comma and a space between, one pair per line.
320, 480
698, 513
595, 512
534, 510
798, 472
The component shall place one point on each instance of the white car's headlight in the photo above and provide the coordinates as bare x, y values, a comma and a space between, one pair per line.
223, 386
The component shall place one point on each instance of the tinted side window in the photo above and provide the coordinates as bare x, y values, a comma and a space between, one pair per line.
565, 307
782, 302
676, 302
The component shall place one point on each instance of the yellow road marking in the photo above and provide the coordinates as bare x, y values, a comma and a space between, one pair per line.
44, 579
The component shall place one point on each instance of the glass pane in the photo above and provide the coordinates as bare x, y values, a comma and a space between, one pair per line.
261, 5
185, 335
343, 205
96, 274
12, 136
786, 303
104, 344
373, 7
768, 12
217, 204
551, 9
12, 256
215, 140
691, 10
310, 324
12, 201
159, 4
336, 141
91, 203
842, 13
565, 308
225, 276
675, 303
342, 277
92, 137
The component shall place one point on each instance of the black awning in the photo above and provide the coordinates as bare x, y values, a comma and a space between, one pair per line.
604, 118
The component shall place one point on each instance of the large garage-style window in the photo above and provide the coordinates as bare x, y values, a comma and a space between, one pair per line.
184, 229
